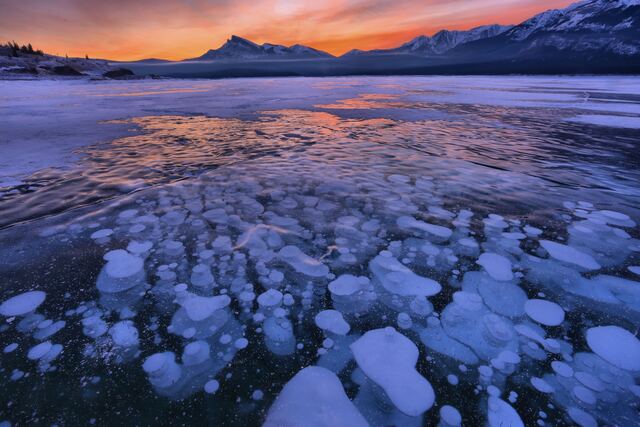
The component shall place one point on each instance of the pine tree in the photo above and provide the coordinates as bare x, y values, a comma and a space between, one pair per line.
14, 48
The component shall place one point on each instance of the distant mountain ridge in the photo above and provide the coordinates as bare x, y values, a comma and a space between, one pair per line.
441, 42
609, 26
240, 48
589, 27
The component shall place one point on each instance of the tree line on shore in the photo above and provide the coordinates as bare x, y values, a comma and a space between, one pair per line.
15, 49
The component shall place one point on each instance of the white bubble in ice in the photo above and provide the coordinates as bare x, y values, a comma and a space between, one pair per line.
211, 386
314, 397
497, 266
388, 358
241, 343
22, 304
544, 312
615, 345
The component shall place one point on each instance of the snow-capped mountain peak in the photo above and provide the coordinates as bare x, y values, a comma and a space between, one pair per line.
240, 48
446, 40
587, 27
237, 46
589, 15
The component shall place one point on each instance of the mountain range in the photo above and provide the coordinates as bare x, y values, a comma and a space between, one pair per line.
239, 48
591, 28
591, 36
441, 42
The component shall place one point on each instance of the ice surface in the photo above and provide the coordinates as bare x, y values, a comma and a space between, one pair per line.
545, 312
314, 397
470, 322
234, 261
22, 304
435, 338
388, 358
615, 345
502, 297
608, 120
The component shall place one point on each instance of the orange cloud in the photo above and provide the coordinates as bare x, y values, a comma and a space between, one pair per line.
177, 29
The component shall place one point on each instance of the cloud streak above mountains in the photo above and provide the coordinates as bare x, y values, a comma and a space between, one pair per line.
176, 29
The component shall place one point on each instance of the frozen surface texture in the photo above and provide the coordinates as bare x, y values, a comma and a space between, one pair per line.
357, 251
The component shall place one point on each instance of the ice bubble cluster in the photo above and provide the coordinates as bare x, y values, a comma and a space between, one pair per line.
397, 279
333, 322
314, 275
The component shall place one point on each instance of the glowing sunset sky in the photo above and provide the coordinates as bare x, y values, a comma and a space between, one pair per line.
177, 29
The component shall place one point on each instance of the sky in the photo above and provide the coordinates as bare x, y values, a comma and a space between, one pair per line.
178, 29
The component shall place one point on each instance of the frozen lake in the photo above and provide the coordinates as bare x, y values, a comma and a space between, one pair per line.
441, 250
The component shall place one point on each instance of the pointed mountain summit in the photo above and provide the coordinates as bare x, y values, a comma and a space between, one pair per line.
238, 48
